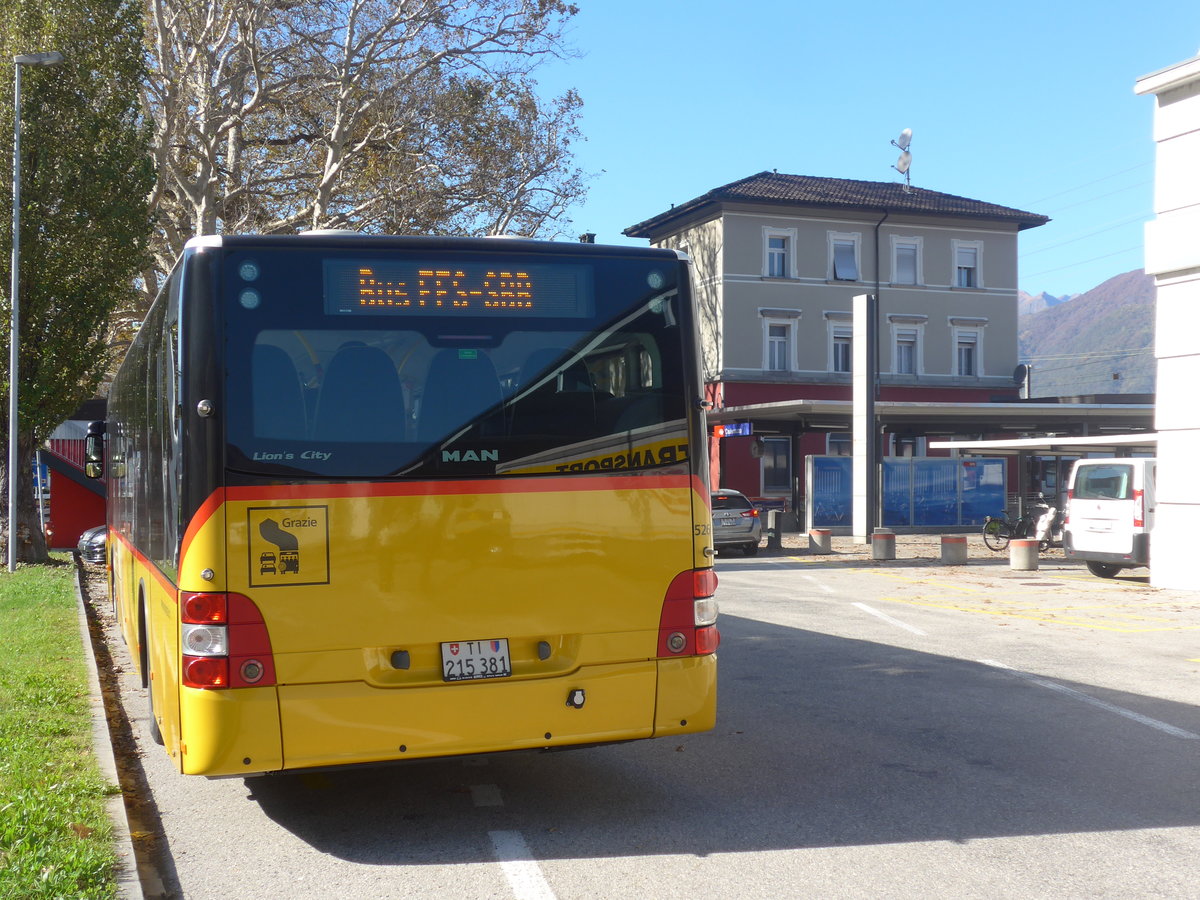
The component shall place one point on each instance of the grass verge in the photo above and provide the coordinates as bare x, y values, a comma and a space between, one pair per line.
55, 838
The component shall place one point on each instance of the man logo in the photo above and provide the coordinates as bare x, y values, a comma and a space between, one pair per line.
470, 456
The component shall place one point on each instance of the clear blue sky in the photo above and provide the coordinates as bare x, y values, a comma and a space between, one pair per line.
1026, 104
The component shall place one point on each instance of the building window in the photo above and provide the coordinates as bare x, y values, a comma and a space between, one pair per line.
777, 257
843, 257
777, 465
779, 347
905, 361
779, 339
966, 264
842, 347
840, 443
966, 344
908, 339
779, 252
906, 260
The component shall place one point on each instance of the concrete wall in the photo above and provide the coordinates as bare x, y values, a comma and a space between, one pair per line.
1173, 257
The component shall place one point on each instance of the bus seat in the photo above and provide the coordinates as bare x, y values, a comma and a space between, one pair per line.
563, 406
361, 398
575, 377
277, 399
634, 410
459, 386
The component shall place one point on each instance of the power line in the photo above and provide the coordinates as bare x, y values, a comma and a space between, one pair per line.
1110, 354
1082, 263
1079, 237
1102, 196
1136, 369
1133, 365
1093, 232
1090, 183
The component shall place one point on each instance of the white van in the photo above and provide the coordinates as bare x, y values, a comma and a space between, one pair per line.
1110, 514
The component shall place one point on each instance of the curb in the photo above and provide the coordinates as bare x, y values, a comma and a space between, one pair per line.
129, 885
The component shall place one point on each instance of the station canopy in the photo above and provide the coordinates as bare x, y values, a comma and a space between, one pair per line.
1023, 420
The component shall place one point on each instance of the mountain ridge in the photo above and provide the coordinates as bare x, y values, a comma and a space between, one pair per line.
1028, 304
1097, 342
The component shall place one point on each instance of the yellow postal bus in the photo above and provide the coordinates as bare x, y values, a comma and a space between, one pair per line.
380, 498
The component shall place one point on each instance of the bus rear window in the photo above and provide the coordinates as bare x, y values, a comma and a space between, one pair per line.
361, 381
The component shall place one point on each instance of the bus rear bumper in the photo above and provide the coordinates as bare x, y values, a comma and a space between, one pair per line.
229, 732
353, 722
687, 695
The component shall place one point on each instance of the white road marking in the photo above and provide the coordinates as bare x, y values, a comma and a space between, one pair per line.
486, 795
523, 874
890, 620
1100, 704
826, 588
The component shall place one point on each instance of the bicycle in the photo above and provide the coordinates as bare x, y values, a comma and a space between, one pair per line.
998, 531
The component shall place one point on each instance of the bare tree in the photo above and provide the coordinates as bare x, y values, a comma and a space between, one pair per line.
408, 116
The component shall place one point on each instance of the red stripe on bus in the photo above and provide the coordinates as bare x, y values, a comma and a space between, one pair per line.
150, 566
462, 488
206, 511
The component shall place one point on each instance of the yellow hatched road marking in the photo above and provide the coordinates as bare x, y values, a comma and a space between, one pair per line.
925, 581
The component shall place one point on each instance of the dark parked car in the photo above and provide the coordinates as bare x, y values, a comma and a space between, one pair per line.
91, 544
736, 522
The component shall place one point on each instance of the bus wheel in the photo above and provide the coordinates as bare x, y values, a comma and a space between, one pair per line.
1103, 570
147, 680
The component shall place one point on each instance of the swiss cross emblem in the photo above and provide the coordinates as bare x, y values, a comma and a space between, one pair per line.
454, 649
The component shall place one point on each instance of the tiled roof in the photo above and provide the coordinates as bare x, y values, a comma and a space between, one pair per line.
840, 193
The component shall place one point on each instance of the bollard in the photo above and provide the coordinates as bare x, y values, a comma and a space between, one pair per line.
820, 540
883, 545
954, 549
1023, 555
774, 529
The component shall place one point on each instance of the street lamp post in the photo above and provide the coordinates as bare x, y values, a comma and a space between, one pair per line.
50, 58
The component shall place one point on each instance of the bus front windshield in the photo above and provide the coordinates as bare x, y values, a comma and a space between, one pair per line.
351, 365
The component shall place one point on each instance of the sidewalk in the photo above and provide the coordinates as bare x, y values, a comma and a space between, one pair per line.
927, 547
128, 882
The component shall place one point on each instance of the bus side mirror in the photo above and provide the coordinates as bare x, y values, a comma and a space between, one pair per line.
93, 450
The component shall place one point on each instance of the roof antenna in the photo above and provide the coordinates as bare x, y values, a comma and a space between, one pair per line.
905, 161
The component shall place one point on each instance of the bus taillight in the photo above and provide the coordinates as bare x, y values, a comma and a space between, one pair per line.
203, 609
205, 671
225, 642
688, 624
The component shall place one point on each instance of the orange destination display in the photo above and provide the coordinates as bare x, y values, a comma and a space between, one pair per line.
377, 287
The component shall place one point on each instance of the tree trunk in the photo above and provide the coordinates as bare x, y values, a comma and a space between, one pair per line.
31, 542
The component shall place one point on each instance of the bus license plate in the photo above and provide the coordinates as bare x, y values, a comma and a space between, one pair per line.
470, 660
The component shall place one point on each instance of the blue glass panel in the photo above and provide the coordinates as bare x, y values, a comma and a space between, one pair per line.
897, 492
830, 491
983, 489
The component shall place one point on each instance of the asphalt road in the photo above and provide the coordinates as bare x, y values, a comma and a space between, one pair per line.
885, 730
